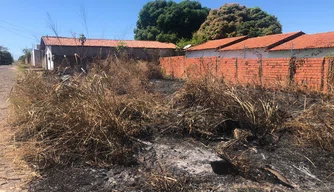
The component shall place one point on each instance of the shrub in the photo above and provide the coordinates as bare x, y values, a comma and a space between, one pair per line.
216, 105
82, 119
315, 126
123, 76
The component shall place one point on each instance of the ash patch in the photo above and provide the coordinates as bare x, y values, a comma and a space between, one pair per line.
71, 179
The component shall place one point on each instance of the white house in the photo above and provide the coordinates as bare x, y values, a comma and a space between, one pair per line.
306, 46
257, 47
59, 51
210, 48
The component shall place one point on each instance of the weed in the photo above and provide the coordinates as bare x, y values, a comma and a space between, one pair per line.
315, 126
214, 105
81, 119
162, 180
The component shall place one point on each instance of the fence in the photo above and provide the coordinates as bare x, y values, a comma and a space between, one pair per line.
308, 73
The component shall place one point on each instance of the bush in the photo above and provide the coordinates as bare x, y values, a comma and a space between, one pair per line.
215, 106
6, 58
82, 119
315, 126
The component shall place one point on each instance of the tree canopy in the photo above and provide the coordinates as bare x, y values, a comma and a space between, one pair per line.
233, 20
167, 21
5, 57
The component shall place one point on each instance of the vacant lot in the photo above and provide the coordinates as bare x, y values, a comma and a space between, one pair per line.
117, 130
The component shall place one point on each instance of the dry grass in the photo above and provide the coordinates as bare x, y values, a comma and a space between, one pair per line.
207, 106
124, 76
315, 126
89, 120
164, 181
96, 118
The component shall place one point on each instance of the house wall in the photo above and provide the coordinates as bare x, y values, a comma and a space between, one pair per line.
140, 53
58, 55
36, 58
202, 53
247, 53
48, 58
307, 53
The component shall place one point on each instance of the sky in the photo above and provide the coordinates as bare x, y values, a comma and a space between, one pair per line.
23, 22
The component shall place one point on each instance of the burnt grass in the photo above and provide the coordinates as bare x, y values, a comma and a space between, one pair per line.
178, 162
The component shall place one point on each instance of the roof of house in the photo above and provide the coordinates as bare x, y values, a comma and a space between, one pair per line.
66, 41
310, 41
266, 42
215, 44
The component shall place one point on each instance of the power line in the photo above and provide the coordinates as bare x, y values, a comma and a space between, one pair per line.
16, 33
20, 28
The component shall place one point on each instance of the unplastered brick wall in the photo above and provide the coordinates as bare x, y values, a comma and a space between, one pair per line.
308, 74
275, 72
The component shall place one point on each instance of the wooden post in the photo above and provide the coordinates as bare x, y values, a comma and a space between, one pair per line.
236, 70
322, 81
260, 72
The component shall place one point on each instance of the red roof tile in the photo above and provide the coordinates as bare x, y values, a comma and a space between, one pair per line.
311, 41
215, 44
65, 41
262, 42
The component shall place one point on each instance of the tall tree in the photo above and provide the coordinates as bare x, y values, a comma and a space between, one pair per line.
167, 21
5, 57
2, 48
233, 20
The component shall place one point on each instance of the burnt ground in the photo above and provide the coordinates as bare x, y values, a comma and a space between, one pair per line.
306, 169
200, 168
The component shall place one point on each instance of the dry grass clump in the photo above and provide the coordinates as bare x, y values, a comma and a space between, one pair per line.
154, 71
163, 181
123, 76
316, 126
215, 106
82, 119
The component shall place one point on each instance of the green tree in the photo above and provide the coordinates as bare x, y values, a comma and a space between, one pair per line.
5, 56
2, 48
195, 40
167, 21
233, 20
25, 58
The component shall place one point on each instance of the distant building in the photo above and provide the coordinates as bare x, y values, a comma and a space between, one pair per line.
57, 50
36, 57
306, 46
210, 48
257, 47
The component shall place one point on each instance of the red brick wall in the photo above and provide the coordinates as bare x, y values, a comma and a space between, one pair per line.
308, 74
275, 72
248, 71
227, 69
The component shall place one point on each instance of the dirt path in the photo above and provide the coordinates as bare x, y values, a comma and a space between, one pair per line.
13, 171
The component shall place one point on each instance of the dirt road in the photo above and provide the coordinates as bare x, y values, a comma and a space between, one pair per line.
13, 171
